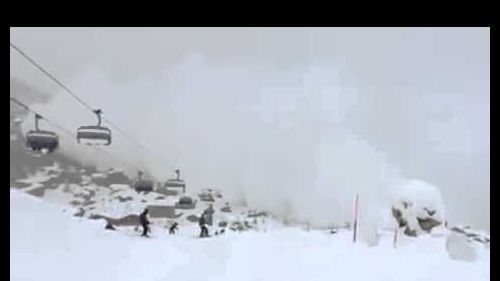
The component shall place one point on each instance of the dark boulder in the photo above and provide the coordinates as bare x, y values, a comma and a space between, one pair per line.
185, 202
160, 211
398, 215
427, 224
193, 218
109, 226
80, 213
409, 232
38, 192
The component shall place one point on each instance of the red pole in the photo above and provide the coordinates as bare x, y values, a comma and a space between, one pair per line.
356, 206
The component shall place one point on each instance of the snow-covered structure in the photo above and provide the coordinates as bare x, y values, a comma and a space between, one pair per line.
417, 206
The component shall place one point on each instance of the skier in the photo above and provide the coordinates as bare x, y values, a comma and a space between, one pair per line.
203, 226
173, 228
143, 220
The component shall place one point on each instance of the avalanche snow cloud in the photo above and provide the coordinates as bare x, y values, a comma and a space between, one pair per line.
284, 149
292, 120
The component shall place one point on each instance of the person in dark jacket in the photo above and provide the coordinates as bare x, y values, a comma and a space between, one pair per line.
173, 228
143, 220
203, 226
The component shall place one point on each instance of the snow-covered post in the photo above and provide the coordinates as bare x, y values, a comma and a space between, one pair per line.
396, 234
355, 227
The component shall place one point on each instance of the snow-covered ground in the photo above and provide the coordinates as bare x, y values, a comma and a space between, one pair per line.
48, 243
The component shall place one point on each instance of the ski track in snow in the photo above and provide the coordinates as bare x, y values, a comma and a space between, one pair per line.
48, 244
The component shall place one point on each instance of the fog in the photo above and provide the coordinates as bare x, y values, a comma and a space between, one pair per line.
292, 120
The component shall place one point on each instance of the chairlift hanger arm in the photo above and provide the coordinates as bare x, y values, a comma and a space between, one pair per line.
37, 117
98, 112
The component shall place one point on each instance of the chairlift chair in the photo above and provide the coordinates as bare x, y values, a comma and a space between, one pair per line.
39, 140
177, 182
94, 135
142, 185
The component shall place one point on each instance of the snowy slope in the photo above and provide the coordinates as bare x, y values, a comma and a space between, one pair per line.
49, 244
100, 195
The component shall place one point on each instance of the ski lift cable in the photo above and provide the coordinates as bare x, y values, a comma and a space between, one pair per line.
22, 105
50, 76
71, 134
81, 101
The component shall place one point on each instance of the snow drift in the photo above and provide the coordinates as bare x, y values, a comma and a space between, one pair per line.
47, 244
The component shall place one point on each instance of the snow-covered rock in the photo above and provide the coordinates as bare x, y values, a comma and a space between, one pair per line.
417, 207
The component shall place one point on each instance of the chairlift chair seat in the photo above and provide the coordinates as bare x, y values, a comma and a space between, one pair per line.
39, 139
144, 185
94, 135
175, 183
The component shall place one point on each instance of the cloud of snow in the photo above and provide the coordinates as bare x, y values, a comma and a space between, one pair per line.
296, 121
276, 139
